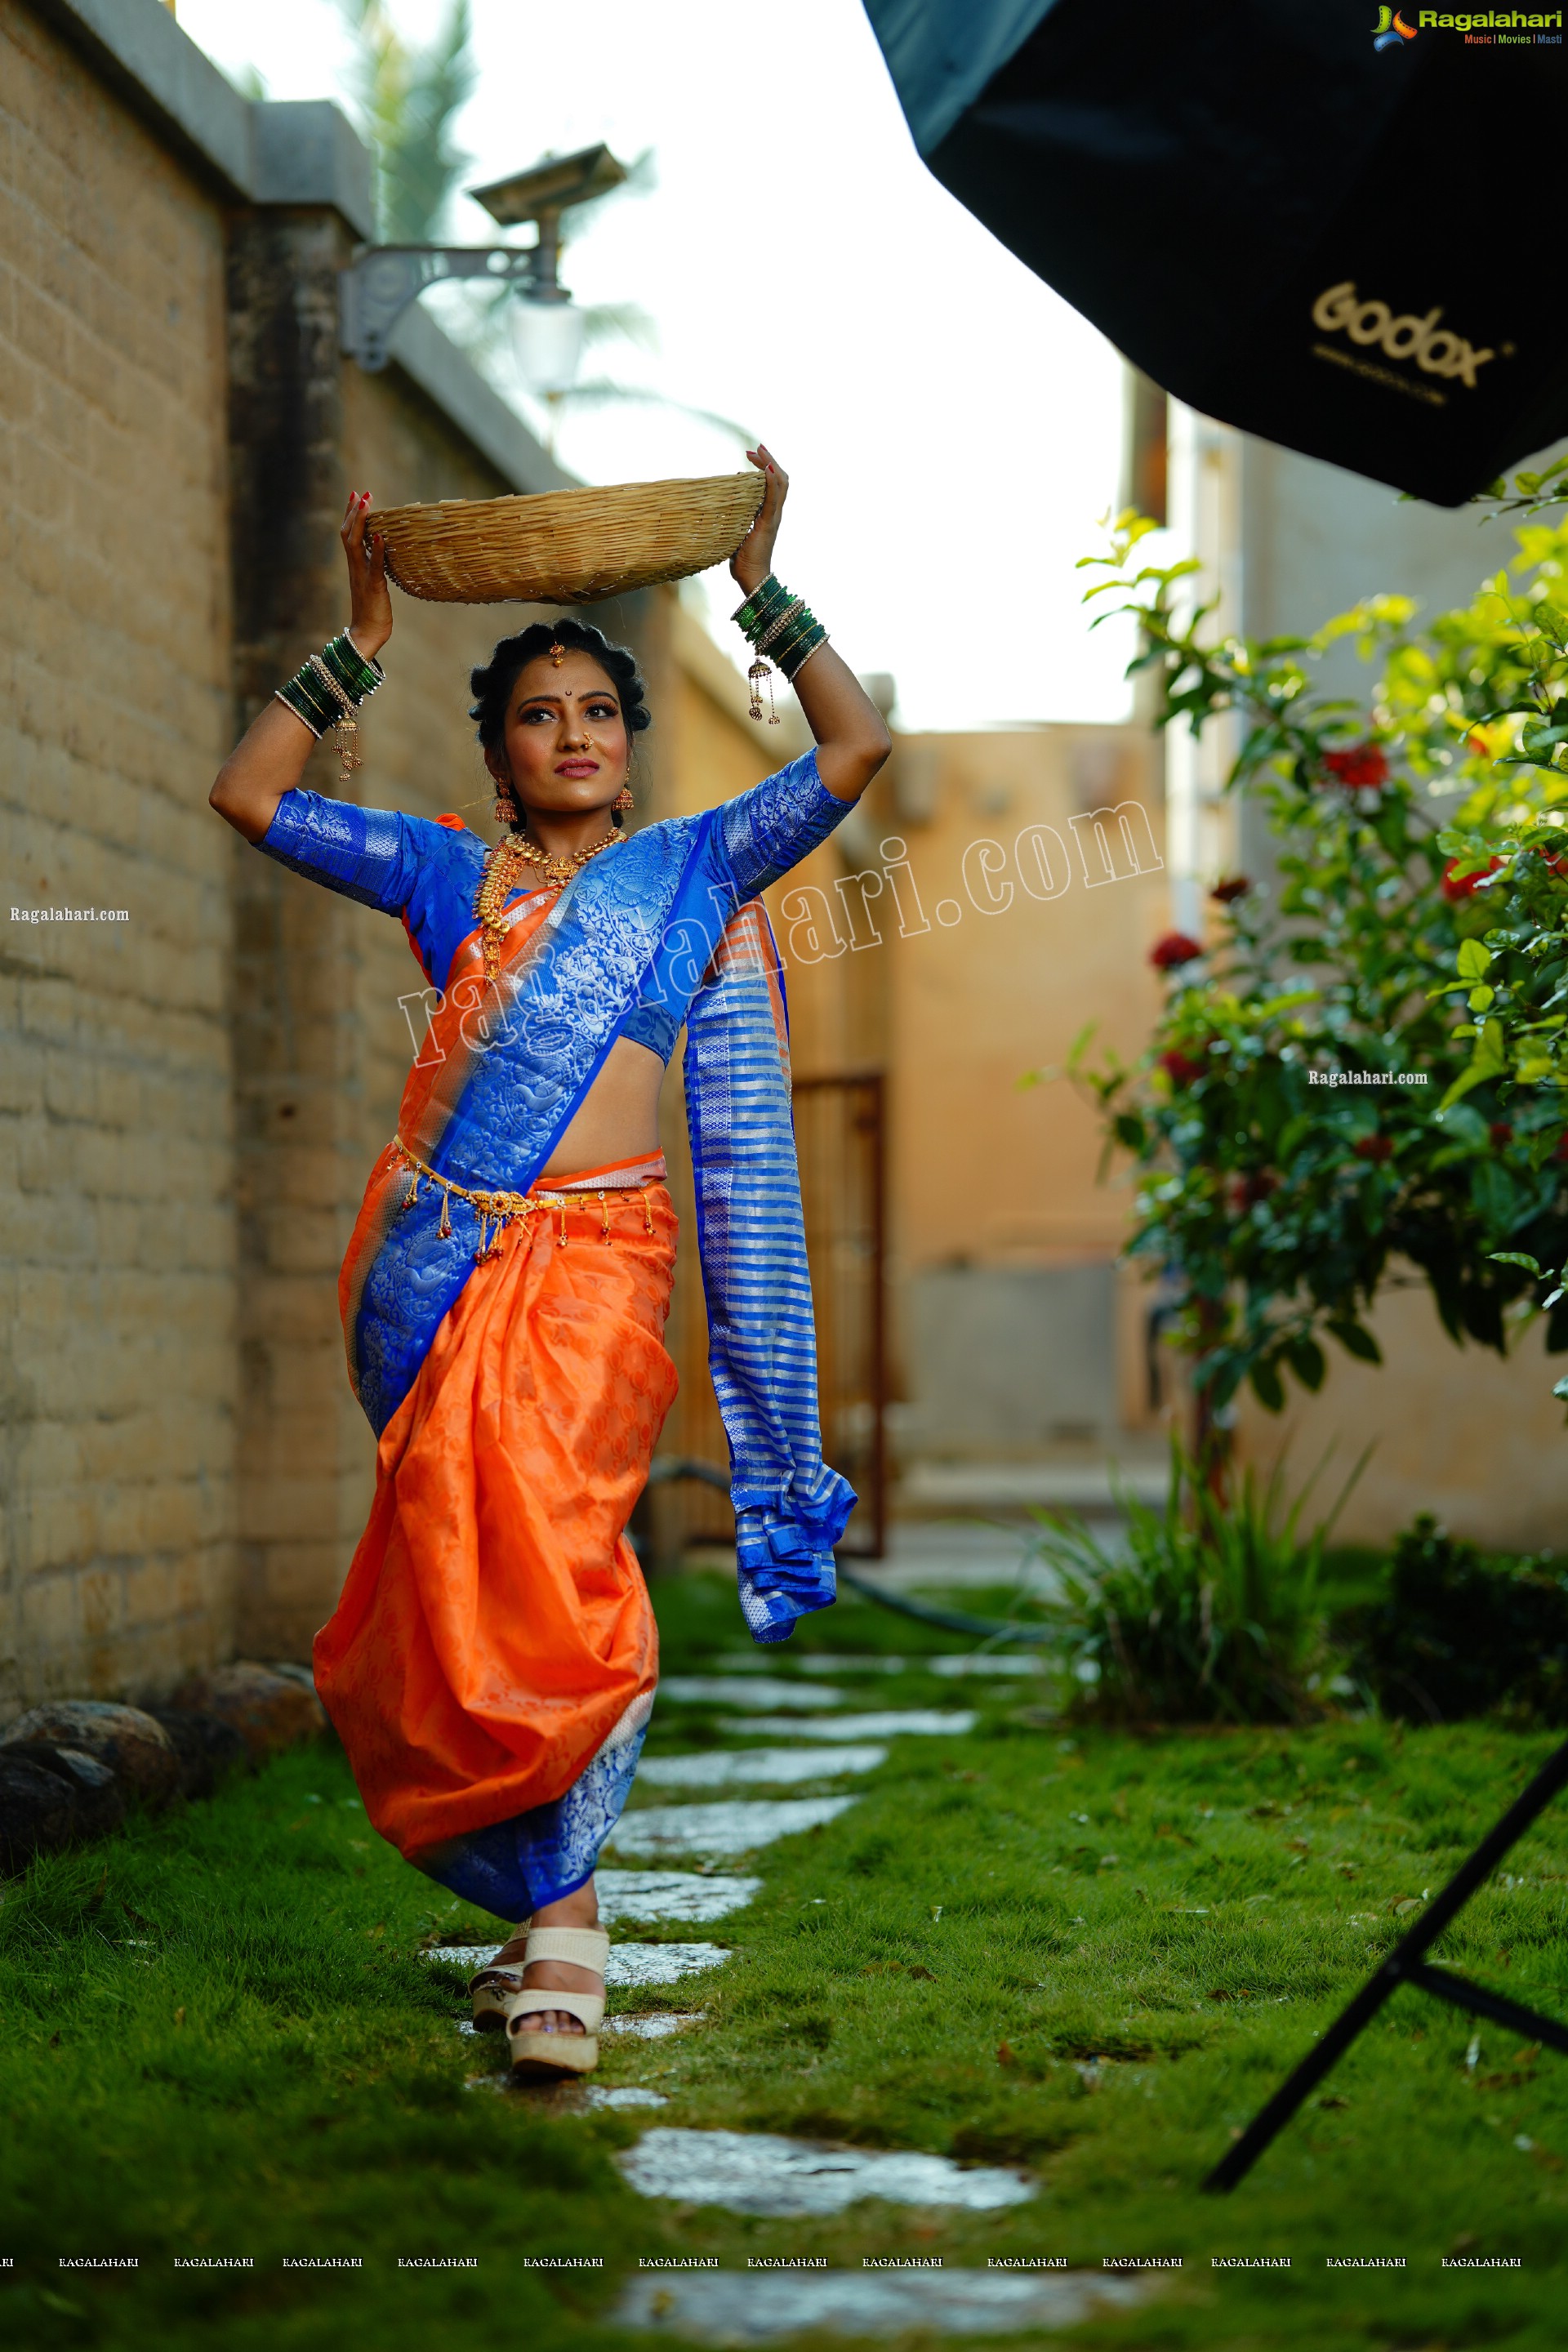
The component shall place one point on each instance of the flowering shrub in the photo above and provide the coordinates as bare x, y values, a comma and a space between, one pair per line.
1309, 1113
1363, 768
1173, 949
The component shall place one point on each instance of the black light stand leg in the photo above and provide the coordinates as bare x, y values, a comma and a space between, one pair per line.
1406, 1965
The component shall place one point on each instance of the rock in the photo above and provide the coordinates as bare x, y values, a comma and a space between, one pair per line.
136, 1750
38, 1811
267, 1709
100, 1799
207, 1746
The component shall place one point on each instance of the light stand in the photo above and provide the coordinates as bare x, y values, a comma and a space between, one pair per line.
1407, 1964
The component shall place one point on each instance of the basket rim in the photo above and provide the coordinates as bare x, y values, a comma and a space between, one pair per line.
578, 491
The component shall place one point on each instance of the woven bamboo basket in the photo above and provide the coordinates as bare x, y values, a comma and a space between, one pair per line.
567, 547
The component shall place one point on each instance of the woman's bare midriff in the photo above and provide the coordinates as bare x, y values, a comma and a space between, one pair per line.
619, 1118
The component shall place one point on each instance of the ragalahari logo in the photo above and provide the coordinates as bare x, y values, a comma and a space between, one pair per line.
1391, 30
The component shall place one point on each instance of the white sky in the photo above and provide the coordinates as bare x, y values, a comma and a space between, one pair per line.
952, 428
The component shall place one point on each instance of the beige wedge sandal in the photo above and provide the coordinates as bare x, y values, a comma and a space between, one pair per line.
497, 1991
543, 2057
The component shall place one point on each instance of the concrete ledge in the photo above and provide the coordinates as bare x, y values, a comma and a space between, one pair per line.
290, 153
446, 376
140, 51
305, 152
1015, 1486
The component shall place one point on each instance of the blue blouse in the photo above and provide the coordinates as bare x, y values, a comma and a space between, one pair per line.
429, 872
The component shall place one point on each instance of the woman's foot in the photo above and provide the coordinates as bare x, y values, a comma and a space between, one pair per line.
580, 1909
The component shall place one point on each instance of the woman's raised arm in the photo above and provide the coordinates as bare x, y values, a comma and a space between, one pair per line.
851, 736
269, 758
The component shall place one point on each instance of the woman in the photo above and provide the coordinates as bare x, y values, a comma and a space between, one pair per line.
491, 1665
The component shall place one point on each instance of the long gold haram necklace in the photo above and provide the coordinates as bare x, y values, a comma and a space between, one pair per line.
503, 870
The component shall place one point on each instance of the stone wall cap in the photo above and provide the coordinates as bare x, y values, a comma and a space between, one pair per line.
304, 151
448, 377
138, 49
287, 151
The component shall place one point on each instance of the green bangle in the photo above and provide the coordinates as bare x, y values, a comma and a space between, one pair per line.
762, 605
358, 678
307, 702
798, 652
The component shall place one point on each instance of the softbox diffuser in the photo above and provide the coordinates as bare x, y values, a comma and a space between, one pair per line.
1324, 221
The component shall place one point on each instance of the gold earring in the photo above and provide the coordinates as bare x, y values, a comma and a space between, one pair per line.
623, 799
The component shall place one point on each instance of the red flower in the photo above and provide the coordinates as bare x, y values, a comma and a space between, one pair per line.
1465, 885
1560, 1149
1247, 1190
1373, 1146
1173, 949
1236, 886
1555, 862
1500, 1132
1359, 770
1179, 1067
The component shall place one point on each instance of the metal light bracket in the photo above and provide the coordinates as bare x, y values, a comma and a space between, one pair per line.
382, 280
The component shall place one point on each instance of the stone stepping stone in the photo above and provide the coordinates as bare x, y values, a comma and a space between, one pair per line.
732, 2307
655, 2024
821, 1661
985, 1661
719, 1768
765, 2174
629, 1964
752, 1690
949, 1663
689, 1895
724, 1829
926, 1722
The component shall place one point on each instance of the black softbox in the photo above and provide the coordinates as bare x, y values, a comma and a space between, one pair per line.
1328, 223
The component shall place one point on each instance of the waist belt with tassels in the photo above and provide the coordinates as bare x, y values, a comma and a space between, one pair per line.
496, 1210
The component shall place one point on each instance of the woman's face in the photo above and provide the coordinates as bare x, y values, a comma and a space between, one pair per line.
565, 748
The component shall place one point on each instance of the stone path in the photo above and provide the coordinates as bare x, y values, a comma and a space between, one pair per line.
763, 2174
739, 2307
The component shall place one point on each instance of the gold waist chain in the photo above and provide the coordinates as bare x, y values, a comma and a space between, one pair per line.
498, 1210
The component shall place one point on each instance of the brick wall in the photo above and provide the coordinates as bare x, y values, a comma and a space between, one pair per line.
190, 1100
117, 1274
324, 1046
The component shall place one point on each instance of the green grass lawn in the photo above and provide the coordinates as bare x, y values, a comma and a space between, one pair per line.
1088, 1954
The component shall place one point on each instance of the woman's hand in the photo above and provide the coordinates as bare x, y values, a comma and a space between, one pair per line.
754, 559
370, 623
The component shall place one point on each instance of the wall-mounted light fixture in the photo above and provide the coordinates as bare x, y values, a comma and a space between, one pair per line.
382, 280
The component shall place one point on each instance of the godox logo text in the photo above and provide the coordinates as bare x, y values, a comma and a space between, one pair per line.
1436, 350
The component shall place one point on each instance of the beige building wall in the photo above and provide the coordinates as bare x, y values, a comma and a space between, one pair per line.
1017, 1341
1476, 1439
117, 1271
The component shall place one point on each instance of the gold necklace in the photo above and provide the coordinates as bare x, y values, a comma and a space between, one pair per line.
502, 871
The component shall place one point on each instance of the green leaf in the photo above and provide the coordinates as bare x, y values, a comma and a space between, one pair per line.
1481, 999
1306, 1360
1473, 959
1516, 1257
1356, 1340
1560, 1389
1267, 1387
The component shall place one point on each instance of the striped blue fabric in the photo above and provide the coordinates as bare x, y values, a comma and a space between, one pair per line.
790, 1508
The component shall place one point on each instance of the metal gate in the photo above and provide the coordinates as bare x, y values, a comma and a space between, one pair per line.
840, 1140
